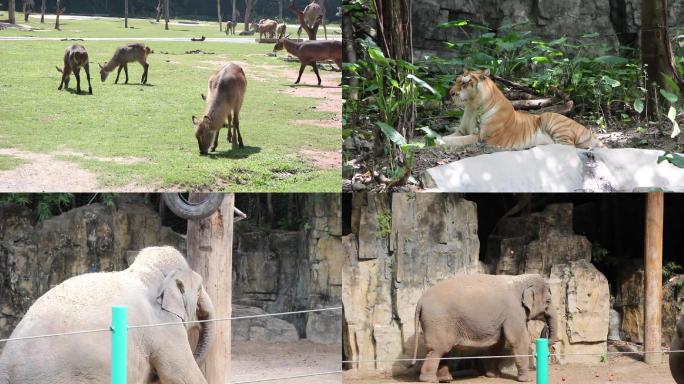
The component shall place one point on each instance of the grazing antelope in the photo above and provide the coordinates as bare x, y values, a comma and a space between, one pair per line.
310, 51
281, 29
230, 27
266, 28
224, 99
75, 57
124, 55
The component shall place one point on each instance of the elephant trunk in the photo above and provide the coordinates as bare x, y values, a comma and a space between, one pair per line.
205, 311
551, 319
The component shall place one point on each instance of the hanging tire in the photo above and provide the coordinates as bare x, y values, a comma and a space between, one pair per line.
185, 209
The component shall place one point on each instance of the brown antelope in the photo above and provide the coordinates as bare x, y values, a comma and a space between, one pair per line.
230, 27
75, 57
311, 51
124, 55
312, 12
281, 29
266, 28
224, 99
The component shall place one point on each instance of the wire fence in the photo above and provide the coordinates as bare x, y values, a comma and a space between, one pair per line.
119, 357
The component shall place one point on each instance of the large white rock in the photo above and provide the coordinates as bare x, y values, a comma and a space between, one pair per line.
557, 168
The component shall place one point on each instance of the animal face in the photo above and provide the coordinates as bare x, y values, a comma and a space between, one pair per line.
279, 45
203, 133
465, 88
103, 73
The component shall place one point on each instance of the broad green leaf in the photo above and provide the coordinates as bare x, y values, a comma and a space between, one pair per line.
423, 84
377, 56
671, 84
638, 105
673, 158
590, 35
541, 59
431, 136
452, 24
389, 131
611, 60
671, 97
671, 114
408, 148
610, 81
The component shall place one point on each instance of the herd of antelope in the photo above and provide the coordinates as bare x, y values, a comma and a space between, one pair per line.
227, 86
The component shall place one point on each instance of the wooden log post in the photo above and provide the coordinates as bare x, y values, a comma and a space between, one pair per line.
126, 14
210, 253
653, 277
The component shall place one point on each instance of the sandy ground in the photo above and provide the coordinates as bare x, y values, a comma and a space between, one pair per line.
259, 360
622, 370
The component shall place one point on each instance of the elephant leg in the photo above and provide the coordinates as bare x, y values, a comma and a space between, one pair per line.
517, 336
175, 363
443, 374
428, 372
491, 366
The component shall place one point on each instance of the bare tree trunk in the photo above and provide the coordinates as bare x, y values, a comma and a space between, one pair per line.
42, 11
218, 7
58, 12
233, 18
125, 13
159, 9
349, 54
26, 8
656, 50
10, 12
280, 10
166, 14
249, 5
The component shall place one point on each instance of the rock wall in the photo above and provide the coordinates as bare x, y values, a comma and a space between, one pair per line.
433, 237
34, 257
389, 264
289, 270
619, 20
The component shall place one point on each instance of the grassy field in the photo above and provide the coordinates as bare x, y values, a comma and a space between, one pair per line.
114, 27
142, 137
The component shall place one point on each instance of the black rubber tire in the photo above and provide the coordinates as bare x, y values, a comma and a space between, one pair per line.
192, 211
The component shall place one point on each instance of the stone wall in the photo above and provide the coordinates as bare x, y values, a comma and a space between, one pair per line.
618, 19
433, 237
34, 257
289, 270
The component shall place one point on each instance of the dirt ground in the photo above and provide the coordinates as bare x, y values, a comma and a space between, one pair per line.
258, 360
623, 370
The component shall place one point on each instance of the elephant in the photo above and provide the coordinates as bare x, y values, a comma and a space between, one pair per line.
677, 359
158, 287
480, 313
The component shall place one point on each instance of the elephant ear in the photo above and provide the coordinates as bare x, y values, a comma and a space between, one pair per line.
172, 295
528, 299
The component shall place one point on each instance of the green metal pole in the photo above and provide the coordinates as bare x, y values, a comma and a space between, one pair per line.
119, 344
542, 361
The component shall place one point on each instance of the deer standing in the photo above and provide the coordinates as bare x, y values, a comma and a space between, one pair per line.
75, 57
266, 28
230, 27
313, 11
311, 51
124, 55
226, 92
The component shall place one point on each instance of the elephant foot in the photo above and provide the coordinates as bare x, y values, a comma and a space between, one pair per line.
445, 379
491, 374
428, 378
523, 377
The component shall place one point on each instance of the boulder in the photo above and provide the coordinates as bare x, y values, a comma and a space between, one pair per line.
267, 329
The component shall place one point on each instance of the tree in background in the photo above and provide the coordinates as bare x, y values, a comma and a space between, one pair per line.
125, 13
166, 14
58, 11
218, 7
233, 16
249, 5
159, 8
10, 12
656, 50
27, 7
42, 11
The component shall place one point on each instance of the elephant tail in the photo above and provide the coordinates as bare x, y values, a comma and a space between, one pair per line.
416, 325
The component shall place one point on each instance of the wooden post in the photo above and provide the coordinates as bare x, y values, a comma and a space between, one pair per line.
653, 277
166, 14
126, 14
218, 6
210, 253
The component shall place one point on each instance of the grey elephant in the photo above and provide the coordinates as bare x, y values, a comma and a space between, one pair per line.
677, 359
159, 287
480, 313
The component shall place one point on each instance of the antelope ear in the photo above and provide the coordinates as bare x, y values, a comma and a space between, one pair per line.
203, 97
101, 67
207, 120
195, 120
486, 72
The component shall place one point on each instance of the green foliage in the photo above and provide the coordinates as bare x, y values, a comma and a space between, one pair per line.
384, 227
45, 205
671, 268
673, 158
109, 200
599, 255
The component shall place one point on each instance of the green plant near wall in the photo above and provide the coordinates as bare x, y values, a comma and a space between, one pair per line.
384, 226
670, 269
45, 205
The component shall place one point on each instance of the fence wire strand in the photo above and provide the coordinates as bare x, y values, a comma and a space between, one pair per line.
171, 323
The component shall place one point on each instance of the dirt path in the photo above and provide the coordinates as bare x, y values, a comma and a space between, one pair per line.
45, 173
621, 370
258, 360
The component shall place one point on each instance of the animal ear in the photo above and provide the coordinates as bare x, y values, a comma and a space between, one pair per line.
528, 297
207, 120
203, 97
171, 295
101, 67
486, 72
195, 120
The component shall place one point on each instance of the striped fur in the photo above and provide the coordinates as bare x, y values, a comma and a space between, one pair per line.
489, 117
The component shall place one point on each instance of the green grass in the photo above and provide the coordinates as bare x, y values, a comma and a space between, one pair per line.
153, 122
114, 27
10, 162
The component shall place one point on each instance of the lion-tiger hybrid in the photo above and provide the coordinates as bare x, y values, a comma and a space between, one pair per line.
486, 108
